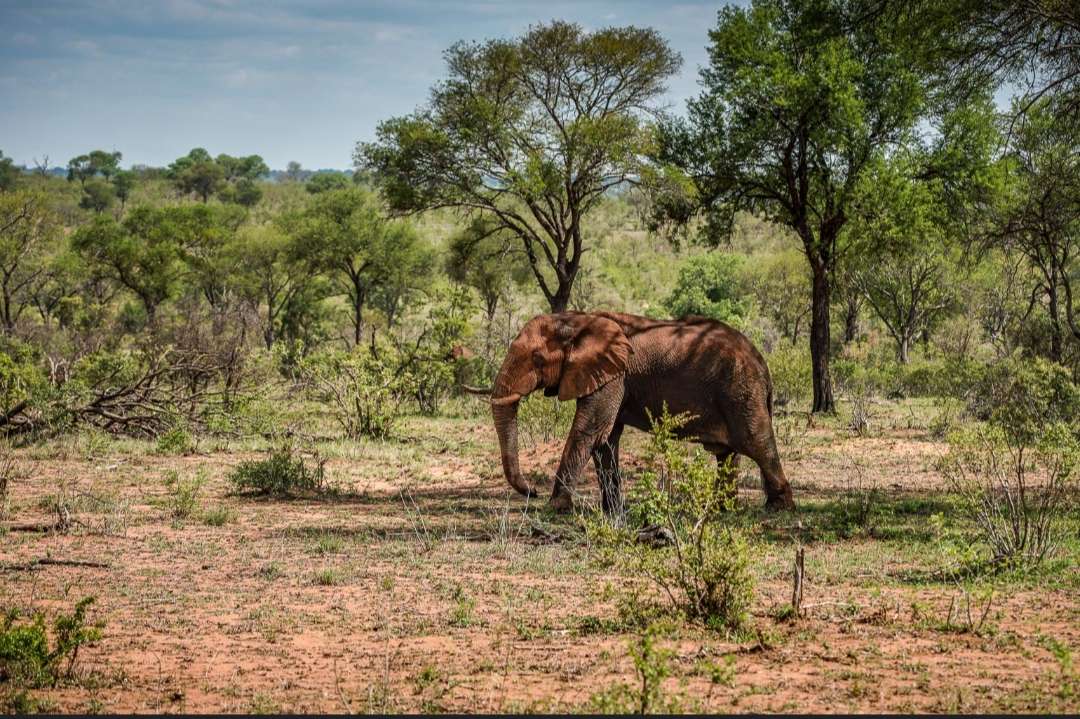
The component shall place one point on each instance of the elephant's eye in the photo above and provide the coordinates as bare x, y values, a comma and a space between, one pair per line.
538, 358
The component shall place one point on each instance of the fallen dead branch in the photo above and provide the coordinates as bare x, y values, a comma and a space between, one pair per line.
51, 562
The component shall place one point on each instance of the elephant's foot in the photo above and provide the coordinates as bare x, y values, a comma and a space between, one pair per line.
562, 502
782, 502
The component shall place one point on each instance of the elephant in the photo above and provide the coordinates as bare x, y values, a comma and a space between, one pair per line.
622, 368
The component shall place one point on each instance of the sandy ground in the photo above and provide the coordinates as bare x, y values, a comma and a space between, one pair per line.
423, 588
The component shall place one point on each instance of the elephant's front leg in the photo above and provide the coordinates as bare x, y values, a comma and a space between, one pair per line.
593, 422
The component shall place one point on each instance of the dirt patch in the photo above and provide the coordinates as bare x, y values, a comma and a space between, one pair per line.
420, 590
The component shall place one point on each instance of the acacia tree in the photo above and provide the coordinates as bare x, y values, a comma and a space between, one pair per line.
1034, 43
904, 249
27, 230
799, 98
528, 133
344, 234
1039, 213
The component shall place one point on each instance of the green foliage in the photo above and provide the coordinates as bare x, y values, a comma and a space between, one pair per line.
652, 665
1023, 396
9, 174
705, 573
283, 473
708, 286
1016, 475
790, 370
364, 390
327, 181
484, 256
98, 195
427, 364
493, 144
370, 259
233, 178
183, 498
543, 419
177, 440
28, 659
22, 381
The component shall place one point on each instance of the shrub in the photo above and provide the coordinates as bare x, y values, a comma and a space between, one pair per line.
704, 573
1024, 395
183, 494
26, 658
791, 374
282, 473
1014, 491
652, 665
708, 285
364, 389
218, 516
176, 440
542, 419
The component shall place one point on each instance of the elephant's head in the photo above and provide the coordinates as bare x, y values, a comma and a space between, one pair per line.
570, 354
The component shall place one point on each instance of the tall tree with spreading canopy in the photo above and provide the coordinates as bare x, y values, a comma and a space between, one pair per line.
344, 234
1038, 214
799, 98
529, 133
28, 229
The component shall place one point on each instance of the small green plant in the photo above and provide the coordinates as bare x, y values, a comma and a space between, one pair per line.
329, 544
271, 571
702, 567
283, 473
1069, 679
652, 665
176, 440
219, 516
327, 577
28, 660
183, 501
462, 615
722, 673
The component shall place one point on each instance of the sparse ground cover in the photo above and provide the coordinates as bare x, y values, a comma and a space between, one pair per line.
420, 584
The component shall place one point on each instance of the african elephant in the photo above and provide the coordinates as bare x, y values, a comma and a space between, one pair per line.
621, 367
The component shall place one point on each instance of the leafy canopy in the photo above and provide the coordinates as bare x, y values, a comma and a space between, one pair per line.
530, 132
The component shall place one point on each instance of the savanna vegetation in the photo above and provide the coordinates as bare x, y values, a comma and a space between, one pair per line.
244, 467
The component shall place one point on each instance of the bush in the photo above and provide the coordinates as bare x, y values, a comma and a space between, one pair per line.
792, 375
26, 658
364, 389
682, 498
176, 440
1014, 491
542, 419
283, 473
708, 285
183, 494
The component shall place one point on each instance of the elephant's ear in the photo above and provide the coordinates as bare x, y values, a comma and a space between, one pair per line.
597, 354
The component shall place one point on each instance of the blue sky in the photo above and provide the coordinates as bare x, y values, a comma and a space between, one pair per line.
287, 80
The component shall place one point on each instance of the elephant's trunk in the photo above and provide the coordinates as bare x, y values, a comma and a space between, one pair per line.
506, 426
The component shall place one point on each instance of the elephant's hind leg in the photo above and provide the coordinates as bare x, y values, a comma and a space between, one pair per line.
773, 479
606, 461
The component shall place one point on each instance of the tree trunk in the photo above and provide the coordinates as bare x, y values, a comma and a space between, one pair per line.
819, 339
561, 299
903, 349
1055, 323
851, 319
